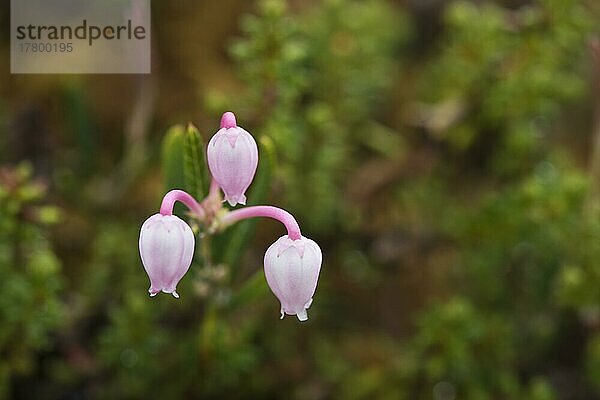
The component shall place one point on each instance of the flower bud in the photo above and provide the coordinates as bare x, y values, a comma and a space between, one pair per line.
292, 271
166, 248
232, 158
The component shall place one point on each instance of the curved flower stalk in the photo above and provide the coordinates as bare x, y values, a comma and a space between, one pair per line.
292, 264
232, 156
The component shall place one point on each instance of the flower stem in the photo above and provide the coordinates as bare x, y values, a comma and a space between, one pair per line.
166, 208
214, 188
282, 216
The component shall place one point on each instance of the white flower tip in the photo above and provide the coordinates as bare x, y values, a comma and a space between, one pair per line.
171, 292
235, 200
282, 314
308, 303
231, 200
302, 315
153, 294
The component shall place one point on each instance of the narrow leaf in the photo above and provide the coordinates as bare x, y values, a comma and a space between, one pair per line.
194, 166
253, 288
172, 157
172, 161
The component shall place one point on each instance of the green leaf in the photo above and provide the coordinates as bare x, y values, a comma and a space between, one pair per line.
172, 157
81, 126
172, 162
195, 170
230, 245
253, 288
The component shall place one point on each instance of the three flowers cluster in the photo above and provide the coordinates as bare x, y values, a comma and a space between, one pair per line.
292, 264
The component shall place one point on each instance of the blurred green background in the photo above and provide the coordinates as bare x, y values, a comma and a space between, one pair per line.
445, 154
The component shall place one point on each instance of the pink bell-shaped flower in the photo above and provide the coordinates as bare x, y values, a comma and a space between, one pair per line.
166, 248
292, 270
232, 158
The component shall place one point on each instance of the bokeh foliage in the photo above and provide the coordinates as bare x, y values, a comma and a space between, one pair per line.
436, 151
30, 308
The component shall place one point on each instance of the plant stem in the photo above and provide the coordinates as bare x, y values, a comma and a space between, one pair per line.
282, 216
166, 208
214, 188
